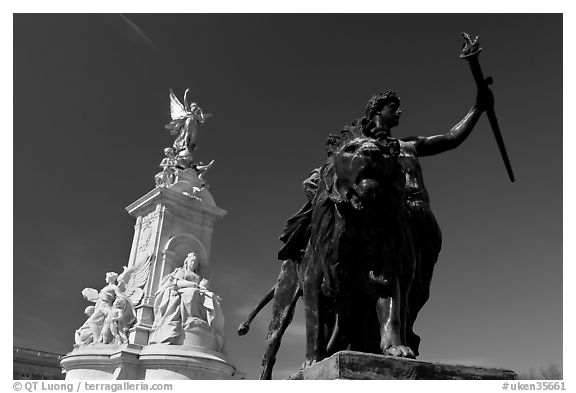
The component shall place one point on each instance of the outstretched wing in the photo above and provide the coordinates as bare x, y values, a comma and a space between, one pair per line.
90, 294
133, 279
186, 104
177, 110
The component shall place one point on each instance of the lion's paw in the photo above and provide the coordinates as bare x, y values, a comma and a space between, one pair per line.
400, 351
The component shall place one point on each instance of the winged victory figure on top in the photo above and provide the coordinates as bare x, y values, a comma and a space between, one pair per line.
185, 121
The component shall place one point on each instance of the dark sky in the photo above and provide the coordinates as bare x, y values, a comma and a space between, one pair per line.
91, 99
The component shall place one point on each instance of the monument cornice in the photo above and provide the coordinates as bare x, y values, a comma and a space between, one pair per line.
165, 196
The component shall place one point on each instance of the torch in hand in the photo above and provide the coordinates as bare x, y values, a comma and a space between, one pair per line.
470, 52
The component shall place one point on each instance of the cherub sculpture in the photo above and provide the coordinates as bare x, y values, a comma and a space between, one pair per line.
185, 121
127, 286
118, 321
169, 167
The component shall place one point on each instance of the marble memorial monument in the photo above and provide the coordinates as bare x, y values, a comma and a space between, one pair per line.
159, 319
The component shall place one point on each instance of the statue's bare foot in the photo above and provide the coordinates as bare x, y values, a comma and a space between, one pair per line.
400, 351
243, 329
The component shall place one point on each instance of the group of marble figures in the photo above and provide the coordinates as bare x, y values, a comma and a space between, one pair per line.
181, 302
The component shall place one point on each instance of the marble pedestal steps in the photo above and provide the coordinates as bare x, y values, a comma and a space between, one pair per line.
149, 362
358, 365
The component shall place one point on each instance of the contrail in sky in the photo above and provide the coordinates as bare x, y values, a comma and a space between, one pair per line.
139, 32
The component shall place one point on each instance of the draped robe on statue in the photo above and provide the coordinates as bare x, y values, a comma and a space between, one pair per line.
179, 308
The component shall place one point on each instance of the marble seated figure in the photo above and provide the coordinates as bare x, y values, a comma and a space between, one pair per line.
183, 303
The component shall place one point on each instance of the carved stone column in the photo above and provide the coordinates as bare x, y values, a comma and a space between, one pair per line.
171, 222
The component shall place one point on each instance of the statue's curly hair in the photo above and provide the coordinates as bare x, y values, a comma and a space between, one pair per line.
378, 101
333, 142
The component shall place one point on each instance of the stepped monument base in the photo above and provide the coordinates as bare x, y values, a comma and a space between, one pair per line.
149, 362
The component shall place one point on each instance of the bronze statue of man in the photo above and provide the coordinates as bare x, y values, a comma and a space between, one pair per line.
381, 115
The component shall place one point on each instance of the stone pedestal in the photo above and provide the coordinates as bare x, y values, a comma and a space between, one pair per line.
358, 365
171, 221
156, 362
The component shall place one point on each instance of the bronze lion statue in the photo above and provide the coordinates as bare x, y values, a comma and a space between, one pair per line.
355, 271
